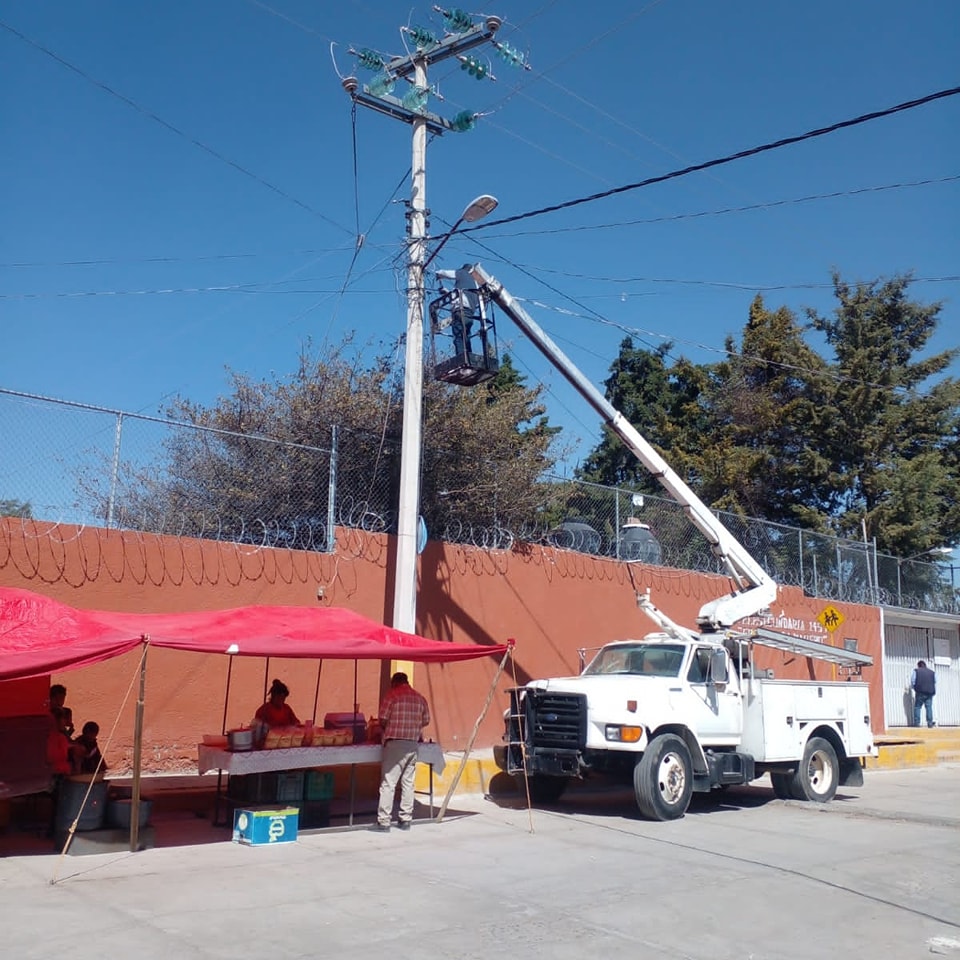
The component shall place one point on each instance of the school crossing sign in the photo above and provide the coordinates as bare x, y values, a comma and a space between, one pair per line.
831, 618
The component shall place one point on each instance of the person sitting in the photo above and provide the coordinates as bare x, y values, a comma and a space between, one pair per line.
85, 753
276, 712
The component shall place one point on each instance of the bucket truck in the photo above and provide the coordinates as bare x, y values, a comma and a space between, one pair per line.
683, 710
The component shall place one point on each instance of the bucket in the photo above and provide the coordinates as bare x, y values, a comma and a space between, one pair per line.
70, 796
118, 813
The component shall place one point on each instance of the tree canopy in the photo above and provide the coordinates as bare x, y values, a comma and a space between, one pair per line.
260, 462
862, 440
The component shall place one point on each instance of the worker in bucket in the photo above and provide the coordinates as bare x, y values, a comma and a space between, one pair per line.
467, 306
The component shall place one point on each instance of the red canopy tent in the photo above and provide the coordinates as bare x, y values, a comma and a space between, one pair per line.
39, 635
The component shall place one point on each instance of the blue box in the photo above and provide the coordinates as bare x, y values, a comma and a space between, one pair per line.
265, 825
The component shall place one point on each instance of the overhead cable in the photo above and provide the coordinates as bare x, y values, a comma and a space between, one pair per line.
169, 126
720, 161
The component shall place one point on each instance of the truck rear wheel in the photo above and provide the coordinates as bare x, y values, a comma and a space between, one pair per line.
546, 789
663, 779
818, 775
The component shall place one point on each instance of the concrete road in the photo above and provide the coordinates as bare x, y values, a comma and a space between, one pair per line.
875, 874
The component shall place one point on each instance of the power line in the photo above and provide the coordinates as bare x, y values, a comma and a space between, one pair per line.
169, 126
723, 284
764, 205
720, 161
723, 211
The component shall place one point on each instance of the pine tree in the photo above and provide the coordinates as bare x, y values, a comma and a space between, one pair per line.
892, 440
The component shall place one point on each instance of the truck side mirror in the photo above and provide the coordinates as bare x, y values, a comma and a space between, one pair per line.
718, 668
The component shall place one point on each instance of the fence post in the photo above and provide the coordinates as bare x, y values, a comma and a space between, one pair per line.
115, 470
800, 551
616, 519
332, 491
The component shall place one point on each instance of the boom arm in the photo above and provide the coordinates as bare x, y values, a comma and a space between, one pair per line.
755, 590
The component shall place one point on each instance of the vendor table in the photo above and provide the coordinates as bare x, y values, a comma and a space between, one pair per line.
302, 758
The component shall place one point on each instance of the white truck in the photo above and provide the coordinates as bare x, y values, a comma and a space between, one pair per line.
684, 710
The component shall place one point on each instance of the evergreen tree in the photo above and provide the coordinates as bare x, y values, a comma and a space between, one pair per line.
892, 439
768, 400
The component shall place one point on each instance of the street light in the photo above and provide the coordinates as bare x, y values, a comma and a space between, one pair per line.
942, 551
476, 210
408, 510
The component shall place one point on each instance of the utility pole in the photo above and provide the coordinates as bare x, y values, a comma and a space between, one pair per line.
462, 35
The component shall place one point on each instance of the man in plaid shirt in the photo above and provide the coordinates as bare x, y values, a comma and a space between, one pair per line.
403, 715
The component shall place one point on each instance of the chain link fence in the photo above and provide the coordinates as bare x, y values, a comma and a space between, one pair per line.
81, 464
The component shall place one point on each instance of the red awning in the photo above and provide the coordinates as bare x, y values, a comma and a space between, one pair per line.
39, 635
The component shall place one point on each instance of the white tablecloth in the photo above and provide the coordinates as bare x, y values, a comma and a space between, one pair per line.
299, 758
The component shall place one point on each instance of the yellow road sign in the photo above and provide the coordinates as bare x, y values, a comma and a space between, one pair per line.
831, 618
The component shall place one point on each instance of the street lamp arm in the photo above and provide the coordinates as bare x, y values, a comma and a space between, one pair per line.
475, 210
942, 551
440, 245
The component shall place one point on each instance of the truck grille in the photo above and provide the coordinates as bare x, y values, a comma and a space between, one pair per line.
556, 720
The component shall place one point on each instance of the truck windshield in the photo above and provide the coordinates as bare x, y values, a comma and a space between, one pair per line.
649, 659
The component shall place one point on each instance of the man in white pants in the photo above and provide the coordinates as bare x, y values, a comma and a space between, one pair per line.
403, 715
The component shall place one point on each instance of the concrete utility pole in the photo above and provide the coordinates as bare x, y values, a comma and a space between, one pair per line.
463, 35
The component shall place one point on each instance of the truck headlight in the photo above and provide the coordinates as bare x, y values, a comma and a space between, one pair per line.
622, 734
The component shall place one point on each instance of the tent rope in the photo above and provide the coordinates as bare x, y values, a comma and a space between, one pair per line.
100, 766
473, 736
523, 756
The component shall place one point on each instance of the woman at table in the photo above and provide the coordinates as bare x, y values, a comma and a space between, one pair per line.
276, 712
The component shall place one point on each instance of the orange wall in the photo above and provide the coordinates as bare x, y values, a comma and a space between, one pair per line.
551, 601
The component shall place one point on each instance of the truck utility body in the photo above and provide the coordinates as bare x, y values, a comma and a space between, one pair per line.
683, 710
678, 717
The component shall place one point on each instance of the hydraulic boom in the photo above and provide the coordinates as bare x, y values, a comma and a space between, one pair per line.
754, 590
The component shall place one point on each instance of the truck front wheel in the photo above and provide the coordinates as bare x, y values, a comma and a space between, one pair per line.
818, 775
663, 779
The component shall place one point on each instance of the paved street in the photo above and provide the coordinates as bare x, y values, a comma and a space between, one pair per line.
874, 874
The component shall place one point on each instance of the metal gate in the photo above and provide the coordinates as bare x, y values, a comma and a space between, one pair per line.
937, 644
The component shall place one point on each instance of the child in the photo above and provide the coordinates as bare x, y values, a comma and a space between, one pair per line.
85, 751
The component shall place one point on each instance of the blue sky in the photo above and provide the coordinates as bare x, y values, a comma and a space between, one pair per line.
221, 171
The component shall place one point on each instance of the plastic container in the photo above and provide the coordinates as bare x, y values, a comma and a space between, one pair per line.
119, 811
289, 787
318, 785
70, 796
354, 722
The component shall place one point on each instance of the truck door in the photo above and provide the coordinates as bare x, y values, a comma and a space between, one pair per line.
716, 704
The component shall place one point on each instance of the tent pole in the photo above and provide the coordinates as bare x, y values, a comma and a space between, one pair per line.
356, 705
138, 752
316, 695
473, 736
226, 696
266, 677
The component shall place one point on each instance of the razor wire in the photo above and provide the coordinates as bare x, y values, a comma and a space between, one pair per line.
77, 464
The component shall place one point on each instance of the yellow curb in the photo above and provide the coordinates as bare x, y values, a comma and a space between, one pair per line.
476, 776
897, 751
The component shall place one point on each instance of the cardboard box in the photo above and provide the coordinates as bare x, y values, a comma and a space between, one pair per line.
262, 826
